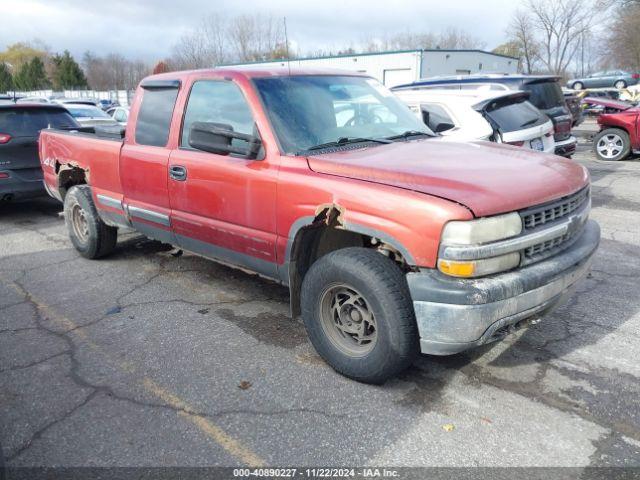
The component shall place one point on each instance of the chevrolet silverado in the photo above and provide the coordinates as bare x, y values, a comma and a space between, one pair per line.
391, 241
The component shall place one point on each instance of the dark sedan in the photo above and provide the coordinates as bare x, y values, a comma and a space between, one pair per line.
20, 125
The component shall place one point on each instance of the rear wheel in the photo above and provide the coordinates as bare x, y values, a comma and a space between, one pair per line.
359, 316
612, 144
620, 84
88, 233
578, 86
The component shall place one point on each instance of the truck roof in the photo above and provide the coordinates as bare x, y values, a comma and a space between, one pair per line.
251, 71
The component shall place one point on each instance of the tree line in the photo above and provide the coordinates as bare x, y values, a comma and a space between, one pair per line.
31, 66
27, 66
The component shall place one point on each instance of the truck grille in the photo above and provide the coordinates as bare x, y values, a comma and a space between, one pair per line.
547, 214
537, 216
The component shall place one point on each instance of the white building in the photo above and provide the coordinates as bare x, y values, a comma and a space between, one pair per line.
405, 66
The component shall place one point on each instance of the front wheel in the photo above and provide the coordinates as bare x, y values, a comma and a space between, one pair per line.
88, 233
359, 316
612, 144
578, 86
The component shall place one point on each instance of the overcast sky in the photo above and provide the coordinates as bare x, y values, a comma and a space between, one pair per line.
148, 28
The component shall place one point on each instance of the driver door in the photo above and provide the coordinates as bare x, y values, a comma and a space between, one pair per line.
223, 206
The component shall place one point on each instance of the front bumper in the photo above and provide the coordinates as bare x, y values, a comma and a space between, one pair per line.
457, 314
567, 147
21, 183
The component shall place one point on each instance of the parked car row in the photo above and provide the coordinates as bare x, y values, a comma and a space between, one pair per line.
544, 93
102, 104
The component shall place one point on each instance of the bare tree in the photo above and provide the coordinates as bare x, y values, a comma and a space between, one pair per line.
522, 33
113, 71
204, 47
256, 37
560, 24
451, 38
622, 41
454, 38
219, 40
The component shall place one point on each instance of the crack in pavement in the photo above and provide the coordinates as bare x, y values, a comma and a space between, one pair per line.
41, 431
35, 363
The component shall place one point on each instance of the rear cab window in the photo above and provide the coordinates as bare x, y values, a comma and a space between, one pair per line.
27, 122
154, 117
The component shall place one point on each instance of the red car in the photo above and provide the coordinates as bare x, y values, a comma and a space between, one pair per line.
619, 134
391, 240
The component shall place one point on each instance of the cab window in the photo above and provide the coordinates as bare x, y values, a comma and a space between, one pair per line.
154, 119
217, 101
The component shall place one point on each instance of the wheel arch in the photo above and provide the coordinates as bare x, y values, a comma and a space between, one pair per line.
312, 237
69, 175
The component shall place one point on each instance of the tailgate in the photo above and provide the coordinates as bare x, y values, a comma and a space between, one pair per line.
19, 153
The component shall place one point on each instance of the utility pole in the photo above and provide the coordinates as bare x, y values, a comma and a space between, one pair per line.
582, 53
286, 44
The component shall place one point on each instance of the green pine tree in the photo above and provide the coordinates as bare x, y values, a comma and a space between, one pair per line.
67, 73
6, 81
32, 76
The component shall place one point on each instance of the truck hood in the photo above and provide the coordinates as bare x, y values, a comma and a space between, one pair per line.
485, 177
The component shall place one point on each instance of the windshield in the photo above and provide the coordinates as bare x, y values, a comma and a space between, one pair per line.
545, 95
86, 112
309, 111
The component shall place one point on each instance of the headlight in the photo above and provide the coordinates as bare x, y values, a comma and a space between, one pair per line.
476, 232
478, 268
482, 230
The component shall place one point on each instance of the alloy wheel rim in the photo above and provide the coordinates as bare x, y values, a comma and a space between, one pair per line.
79, 223
347, 320
610, 146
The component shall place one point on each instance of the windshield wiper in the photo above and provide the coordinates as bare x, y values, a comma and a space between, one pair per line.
347, 140
408, 134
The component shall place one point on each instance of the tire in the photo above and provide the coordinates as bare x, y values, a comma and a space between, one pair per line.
612, 144
578, 86
383, 292
89, 234
620, 84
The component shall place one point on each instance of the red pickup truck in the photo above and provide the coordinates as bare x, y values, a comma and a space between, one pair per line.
390, 240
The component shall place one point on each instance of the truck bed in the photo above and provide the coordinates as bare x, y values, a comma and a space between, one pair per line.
96, 153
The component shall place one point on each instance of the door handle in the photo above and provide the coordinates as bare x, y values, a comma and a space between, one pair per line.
178, 172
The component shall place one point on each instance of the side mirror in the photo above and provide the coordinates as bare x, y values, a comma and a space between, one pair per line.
443, 127
217, 138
